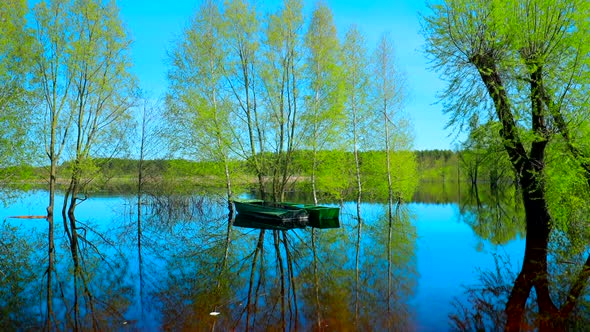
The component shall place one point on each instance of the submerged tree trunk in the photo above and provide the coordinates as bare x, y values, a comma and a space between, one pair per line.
292, 281
140, 189
534, 269
139, 252
389, 257
51, 246
530, 169
222, 268
357, 280
53, 156
281, 279
316, 280
68, 213
250, 307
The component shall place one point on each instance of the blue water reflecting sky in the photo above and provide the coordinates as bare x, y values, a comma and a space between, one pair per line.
449, 255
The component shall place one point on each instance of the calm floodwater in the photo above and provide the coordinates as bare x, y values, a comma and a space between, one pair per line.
177, 269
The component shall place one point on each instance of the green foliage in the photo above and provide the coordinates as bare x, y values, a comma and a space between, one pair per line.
483, 157
360, 116
82, 68
18, 267
494, 215
16, 98
334, 174
403, 172
265, 90
197, 111
323, 118
567, 197
438, 165
517, 45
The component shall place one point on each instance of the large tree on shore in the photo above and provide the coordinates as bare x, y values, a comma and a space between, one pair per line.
523, 63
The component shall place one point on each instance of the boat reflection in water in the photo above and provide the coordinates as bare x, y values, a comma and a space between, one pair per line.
246, 221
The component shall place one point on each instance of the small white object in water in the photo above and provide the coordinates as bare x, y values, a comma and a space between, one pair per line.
214, 313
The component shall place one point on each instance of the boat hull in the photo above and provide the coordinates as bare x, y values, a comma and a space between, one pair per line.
271, 213
320, 216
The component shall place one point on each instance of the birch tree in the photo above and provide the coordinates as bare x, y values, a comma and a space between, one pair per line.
388, 84
323, 117
389, 88
242, 44
281, 77
103, 95
357, 109
198, 110
359, 116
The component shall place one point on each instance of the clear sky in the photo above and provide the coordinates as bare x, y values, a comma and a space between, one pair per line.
155, 24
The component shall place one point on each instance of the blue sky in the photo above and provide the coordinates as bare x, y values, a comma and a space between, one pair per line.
155, 24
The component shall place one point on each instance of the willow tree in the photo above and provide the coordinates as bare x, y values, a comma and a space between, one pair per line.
524, 63
197, 106
281, 77
323, 117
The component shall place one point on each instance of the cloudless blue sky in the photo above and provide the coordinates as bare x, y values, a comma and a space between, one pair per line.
155, 24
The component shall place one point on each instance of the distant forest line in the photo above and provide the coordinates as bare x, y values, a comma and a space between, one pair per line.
120, 174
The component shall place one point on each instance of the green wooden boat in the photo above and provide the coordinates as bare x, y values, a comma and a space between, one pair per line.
319, 216
271, 212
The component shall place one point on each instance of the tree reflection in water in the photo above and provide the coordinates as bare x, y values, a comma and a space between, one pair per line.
269, 280
96, 284
563, 303
178, 266
183, 268
18, 275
